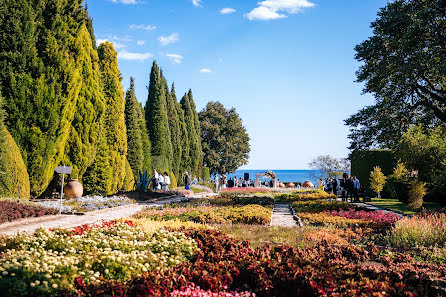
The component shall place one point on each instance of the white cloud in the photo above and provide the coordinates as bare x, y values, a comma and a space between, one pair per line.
125, 55
125, 1
205, 70
116, 45
196, 3
166, 40
275, 9
140, 42
142, 27
175, 58
227, 10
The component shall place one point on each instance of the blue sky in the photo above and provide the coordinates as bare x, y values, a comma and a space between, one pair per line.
287, 66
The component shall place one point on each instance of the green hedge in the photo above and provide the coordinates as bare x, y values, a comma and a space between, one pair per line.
363, 163
15, 182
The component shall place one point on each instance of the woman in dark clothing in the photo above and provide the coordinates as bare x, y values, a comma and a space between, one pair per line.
186, 181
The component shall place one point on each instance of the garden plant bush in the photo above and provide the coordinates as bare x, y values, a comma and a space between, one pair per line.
11, 210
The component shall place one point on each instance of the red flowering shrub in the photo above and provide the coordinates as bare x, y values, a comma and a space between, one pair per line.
376, 216
225, 265
10, 211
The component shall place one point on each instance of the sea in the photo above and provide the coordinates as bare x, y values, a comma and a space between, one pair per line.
284, 176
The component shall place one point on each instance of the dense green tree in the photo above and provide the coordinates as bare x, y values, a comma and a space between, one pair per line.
190, 120
185, 147
225, 141
157, 120
14, 179
403, 66
40, 79
169, 105
197, 150
114, 119
135, 153
382, 125
98, 177
146, 144
329, 167
86, 127
174, 127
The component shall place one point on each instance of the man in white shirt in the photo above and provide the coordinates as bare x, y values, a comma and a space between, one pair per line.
166, 181
160, 181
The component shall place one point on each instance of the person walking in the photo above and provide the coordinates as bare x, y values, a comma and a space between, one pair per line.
356, 187
186, 181
166, 181
335, 187
350, 188
155, 180
217, 183
160, 182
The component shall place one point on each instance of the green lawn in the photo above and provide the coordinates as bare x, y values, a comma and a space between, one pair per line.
197, 190
396, 205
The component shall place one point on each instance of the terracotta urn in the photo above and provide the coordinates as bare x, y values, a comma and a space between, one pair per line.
308, 184
281, 185
290, 185
73, 189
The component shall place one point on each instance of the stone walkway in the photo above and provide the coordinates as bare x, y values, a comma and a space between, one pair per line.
282, 216
29, 225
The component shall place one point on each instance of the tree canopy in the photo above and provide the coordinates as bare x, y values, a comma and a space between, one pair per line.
330, 167
403, 66
224, 138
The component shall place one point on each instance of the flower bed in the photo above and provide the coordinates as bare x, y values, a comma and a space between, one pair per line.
377, 216
226, 265
88, 203
10, 211
304, 196
320, 206
48, 261
324, 219
264, 201
248, 214
423, 230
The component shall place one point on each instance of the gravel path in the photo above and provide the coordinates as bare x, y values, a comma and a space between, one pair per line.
29, 225
282, 216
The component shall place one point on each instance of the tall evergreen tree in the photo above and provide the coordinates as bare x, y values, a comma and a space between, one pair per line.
190, 115
146, 144
196, 146
115, 130
135, 154
184, 139
174, 127
40, 79
157, 121
86, 127
169, 104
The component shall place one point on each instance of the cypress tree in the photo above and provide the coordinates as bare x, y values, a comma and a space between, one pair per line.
146, 144
115, 129
14, 179
174, 127
193, 129
40, 79
184, 140
135, 154
157, 121
167, 98
86, 127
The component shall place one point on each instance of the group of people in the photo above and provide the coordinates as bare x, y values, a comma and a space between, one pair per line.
223, 182
160, 181
347, 187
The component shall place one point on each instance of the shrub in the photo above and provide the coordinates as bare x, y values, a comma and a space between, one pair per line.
248, 214
320, 206
303, 196
235, 192
422, 230
416, 193
377, 216
173, 181
15, 182
10, 211
324, 219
